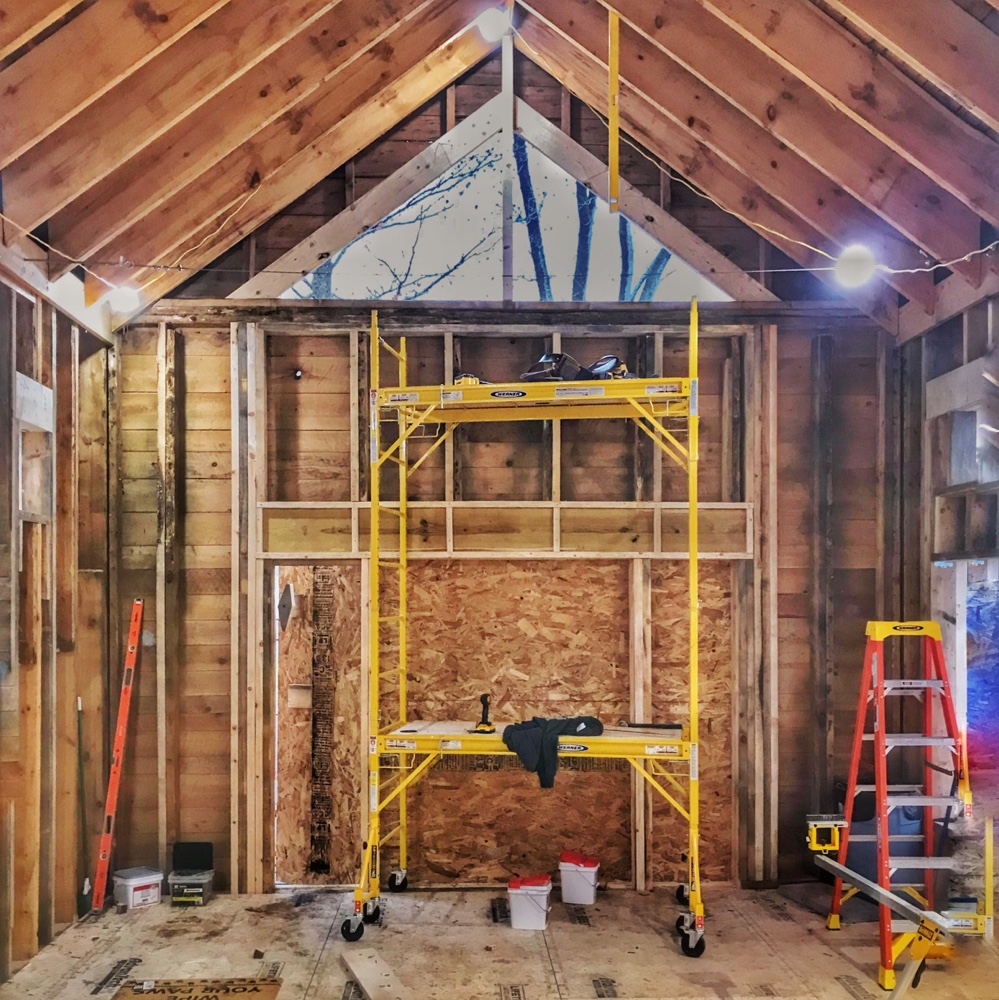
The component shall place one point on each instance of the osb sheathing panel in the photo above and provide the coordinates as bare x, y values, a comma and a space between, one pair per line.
344, 584
671, 703
293, 808
543, 639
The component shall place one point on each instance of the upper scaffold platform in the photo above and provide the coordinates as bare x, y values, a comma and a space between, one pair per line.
484, 402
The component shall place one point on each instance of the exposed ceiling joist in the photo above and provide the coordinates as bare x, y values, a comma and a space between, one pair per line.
795, 114
940, 41
88, 56
22, 20
953, 298
873, 92
149, 103
726, 186
301, 89
408, 86
723, 128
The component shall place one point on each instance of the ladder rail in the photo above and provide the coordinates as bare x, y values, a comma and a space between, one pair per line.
117, 758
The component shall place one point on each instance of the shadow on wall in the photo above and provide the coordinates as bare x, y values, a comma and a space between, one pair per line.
983, 677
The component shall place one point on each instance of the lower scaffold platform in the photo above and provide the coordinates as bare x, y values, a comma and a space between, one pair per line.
662, 755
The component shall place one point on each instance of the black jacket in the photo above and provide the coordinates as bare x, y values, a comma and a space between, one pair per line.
536, 742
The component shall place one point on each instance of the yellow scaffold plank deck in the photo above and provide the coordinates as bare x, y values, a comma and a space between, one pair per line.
449, 737
660, 397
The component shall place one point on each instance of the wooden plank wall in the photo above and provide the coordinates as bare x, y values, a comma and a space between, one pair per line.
309, 426
52, 623
198, 736
854, 554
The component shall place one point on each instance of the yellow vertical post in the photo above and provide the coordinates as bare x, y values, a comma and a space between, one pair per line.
989, 876
374, 625
403, 596
696, 906
613, 115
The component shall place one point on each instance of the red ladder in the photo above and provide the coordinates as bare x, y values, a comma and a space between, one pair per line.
118, 756
874, 688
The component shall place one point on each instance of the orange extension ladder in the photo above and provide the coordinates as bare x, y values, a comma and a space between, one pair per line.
114, 777
874, 689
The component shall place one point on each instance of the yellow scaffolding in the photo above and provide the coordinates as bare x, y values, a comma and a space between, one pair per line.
666, 759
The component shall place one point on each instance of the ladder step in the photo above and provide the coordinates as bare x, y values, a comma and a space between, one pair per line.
906, 799
891, 788
914, 685
913, 740
944, 864
901, 838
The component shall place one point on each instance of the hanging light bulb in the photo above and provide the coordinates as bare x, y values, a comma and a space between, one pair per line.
855, 266
493, 24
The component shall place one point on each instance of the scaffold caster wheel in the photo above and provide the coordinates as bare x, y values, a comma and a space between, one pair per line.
372, 912
692, 944
352, 929
398, 881
682, 894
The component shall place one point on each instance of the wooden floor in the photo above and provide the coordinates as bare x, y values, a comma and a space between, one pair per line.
445, 946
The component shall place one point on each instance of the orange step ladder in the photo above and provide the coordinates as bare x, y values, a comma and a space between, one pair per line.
118, 756
875, 688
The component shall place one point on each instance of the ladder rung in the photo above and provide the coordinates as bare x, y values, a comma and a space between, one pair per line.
913, 740
901, 838
941, 863
891, 788
923, 800
909, 686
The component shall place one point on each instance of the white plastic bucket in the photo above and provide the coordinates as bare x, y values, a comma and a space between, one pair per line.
529, 907
579, 883
135, 887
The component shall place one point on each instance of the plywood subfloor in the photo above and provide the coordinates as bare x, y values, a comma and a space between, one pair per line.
444, 946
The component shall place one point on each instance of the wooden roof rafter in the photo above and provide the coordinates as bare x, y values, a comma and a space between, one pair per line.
85, 65
730, 189
797, 115
24, 20
870, 90
723, 128
134, 114
221, 199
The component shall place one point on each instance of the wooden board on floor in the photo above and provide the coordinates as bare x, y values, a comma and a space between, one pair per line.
204, 989
375, 976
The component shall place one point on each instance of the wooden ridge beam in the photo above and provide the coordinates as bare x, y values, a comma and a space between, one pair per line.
939, 40
22, 20
877, 95
153, 100
733, 191
277, 96
385, 103
723, 128
78, 63
798, 116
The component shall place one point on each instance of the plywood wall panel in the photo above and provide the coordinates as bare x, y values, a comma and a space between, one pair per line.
543, 639
671, 701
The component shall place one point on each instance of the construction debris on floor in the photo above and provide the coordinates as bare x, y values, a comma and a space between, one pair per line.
448, 946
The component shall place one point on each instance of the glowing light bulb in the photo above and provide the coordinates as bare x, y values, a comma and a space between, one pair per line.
493, 24
124, 299
855, 266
